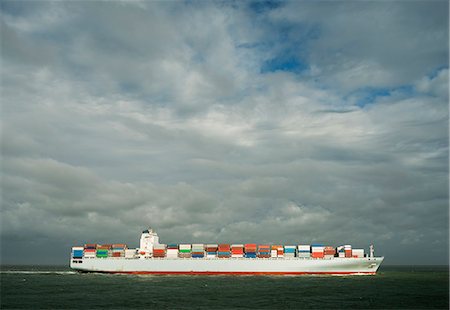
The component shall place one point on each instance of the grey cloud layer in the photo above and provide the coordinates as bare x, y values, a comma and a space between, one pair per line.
121, 115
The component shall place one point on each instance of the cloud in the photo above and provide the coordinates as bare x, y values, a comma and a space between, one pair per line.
171, 120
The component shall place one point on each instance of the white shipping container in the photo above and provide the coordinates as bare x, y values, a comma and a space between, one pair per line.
237, 255
358, 252
302, 254
317, 249
212, 245
185, 246
273, 253
77, 248
289, 246
130, 253
237, 245
347, 247
341, 254
304, 247
172, 255
211, 256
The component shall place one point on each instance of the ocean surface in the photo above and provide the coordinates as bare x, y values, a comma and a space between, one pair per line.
56, 287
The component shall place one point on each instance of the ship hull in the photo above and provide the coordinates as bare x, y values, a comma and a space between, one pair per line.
229, 266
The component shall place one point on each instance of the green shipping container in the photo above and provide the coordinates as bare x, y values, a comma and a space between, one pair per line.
185, 251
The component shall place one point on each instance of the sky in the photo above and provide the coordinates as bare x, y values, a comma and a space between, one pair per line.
225, 121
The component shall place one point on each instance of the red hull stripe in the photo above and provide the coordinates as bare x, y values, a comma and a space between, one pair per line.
239, 273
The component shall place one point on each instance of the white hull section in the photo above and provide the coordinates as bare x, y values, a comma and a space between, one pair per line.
294, 266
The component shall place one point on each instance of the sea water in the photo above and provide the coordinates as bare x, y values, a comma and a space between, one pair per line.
55, 287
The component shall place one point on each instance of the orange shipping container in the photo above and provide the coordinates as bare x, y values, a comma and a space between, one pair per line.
317, 255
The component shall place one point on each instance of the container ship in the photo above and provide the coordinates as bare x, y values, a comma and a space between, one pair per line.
153, 257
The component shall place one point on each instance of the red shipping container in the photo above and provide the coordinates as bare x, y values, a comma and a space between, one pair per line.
224, 248
116, 254
348, 253
119, 245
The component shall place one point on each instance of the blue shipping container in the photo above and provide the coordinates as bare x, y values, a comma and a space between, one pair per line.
197, 255
77, 253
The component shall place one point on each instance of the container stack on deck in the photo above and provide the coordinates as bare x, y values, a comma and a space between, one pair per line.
348, 250
277, 251
224, 250
103, 251
159, 250
304, 250
237, 250
172, 251
118, 250
185, 250
329, 252
90, 250
250, 250
264, 251
130, 253
317, 250
211, 250
198, 250
289, 250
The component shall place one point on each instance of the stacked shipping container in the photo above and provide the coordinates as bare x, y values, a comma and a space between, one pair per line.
172, 251
118, 250
289, 250
224, 250
348, 250
198, 250
329, 252
159, 250
90, 250
237, 250
304, 250
185, 251
250, 250
211, 250
264, 251
317, 250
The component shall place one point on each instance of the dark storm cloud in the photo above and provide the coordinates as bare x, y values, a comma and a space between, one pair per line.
195, 119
